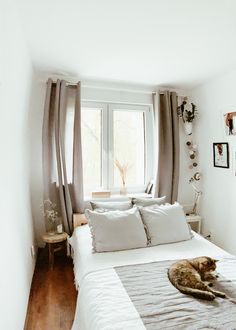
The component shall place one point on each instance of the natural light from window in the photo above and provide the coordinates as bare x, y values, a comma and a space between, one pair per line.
113, 132
129, 146
91, 128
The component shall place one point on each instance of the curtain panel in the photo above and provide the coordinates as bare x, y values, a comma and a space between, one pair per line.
167, 126
63, 178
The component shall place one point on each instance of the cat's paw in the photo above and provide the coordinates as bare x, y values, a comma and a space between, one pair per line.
219, 294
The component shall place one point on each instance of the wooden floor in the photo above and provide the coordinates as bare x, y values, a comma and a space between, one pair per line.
53, 295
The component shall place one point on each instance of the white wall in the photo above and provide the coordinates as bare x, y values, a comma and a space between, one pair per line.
17, 236
219, 186
36, 176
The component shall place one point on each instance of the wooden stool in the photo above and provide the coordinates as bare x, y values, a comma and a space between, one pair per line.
54, 244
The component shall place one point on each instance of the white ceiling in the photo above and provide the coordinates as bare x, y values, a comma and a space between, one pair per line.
174, 43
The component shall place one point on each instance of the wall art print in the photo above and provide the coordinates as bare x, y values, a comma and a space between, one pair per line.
221, 154
230, 123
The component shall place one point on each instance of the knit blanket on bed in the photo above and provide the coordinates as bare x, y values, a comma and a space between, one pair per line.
161, 306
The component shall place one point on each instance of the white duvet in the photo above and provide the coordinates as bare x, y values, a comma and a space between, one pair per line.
103, 303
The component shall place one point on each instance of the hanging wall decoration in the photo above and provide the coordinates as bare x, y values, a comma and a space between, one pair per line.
192, 152
187, 111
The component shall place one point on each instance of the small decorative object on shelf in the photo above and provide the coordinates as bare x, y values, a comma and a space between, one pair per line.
50, 212
101, 194
187, 111
123, 169
59, 228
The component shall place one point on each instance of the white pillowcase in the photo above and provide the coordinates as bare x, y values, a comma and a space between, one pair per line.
149, 201
126, 205
116, 230
165, 224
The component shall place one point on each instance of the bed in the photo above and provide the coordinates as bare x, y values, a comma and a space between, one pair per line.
122, 290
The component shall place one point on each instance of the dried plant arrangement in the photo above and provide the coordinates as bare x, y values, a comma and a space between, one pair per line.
50, 212
123, 169
187, 111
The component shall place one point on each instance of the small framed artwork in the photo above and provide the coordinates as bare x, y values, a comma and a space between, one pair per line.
230, 123
221, 154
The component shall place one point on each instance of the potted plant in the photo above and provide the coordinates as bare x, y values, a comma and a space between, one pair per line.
187, 111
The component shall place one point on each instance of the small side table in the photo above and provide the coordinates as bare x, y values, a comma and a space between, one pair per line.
55, 243
195, 218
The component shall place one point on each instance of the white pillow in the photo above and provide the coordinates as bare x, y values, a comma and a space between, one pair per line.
116, 230
126, 205
148, 201
165, 224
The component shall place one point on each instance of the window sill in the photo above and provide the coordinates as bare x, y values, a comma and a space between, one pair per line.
118, 197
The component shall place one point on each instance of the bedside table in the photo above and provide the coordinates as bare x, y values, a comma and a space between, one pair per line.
55, 243
194, 219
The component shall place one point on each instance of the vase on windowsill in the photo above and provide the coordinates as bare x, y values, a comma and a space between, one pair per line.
123, 190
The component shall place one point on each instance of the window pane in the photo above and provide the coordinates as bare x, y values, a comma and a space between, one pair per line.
91, 128
129, 146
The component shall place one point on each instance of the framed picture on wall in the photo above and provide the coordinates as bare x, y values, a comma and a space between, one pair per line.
221, 154
230, 123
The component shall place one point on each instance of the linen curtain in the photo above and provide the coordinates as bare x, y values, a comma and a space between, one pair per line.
63, 178
167, 124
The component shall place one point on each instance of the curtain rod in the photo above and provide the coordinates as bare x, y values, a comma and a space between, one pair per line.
67, 83
116, 89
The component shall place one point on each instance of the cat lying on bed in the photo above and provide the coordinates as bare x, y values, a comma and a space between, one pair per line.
192, 276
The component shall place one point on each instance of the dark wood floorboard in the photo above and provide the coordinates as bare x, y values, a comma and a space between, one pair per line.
53, 295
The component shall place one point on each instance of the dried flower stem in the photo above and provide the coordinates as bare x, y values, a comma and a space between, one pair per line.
49, 211
123, 169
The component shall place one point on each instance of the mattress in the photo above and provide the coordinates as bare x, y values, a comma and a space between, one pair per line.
103, 302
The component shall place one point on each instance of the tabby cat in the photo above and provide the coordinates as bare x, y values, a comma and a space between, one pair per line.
192, 276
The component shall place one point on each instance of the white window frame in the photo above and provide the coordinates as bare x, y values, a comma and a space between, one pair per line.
107, 169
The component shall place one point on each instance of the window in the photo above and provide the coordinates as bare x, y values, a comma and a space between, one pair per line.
116, 132
129, 145
91, 127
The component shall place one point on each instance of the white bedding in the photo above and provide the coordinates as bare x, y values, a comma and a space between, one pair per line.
85, 261
103, 303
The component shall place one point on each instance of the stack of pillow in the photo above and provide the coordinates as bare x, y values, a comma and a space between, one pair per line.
138, 223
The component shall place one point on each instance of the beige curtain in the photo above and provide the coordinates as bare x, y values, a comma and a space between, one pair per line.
66, 193
167, 179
